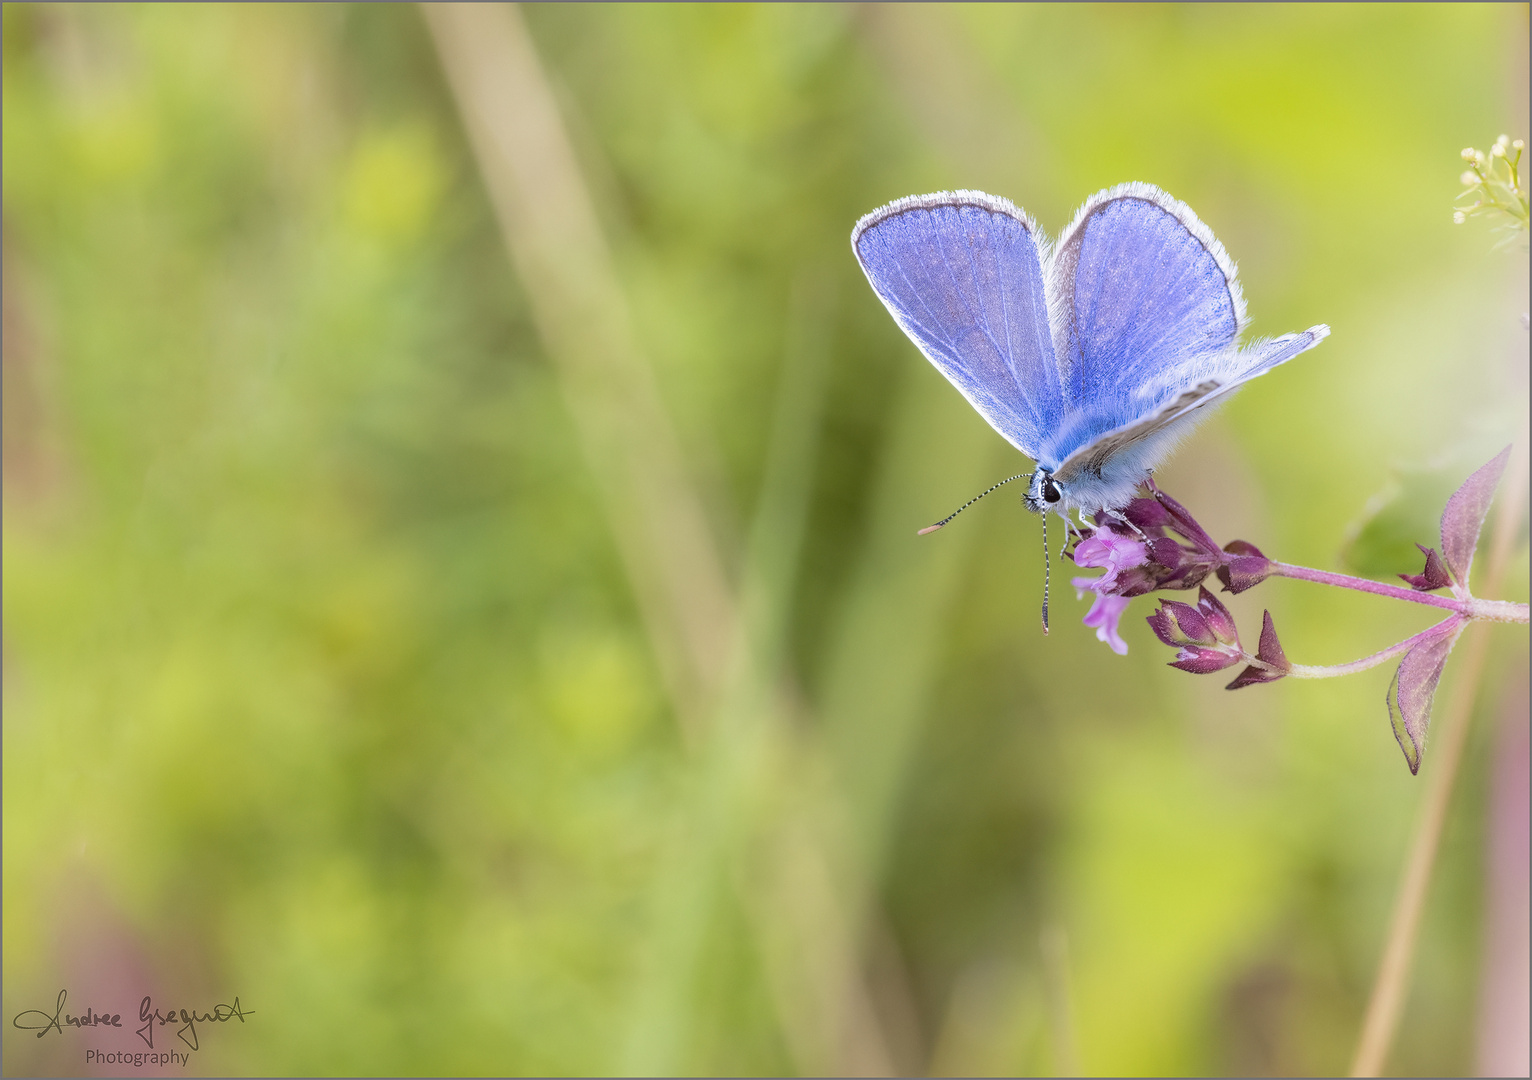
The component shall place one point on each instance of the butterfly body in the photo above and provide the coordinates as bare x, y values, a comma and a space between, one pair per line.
1093, 357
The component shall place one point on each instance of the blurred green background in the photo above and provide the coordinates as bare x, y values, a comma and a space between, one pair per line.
325, 684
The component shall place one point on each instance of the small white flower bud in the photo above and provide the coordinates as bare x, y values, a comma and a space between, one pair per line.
1498, 150
1458, 217
1518, 145
1503, 141
1469, 153
1469, 178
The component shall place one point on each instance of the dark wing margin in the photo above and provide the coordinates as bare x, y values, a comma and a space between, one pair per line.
962, 274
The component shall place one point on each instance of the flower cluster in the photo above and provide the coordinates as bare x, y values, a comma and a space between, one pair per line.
1208, 641
1154, 543
1494, 183
1151, 544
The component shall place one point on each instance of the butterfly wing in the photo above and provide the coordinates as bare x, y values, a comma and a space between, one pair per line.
962, 274
1142, 297
1122, 455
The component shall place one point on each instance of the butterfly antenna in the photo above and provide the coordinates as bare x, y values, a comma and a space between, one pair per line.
1047, 573
970, 502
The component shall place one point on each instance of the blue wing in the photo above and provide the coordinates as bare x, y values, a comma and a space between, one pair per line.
961, 273
1106, 470
1145, 303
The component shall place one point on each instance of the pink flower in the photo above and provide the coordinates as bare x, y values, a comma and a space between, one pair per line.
1105, 613
1117, 552
1114, 550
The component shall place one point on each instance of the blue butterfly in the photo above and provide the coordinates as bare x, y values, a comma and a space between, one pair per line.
1093, 358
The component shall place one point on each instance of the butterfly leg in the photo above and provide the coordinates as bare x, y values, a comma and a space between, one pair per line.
1118, 515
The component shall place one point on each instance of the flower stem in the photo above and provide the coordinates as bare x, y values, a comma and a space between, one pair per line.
1377, 588
1472, 607
1392, 984
1393, 980
1331, 671
1496, 610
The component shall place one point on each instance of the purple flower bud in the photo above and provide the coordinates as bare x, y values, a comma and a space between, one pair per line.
1200, 661
1135, 581
1179, 624
1191, 574
1168, 553
1243, 566
1164, 629
1434, 576
1182, 522
1204, 635
1219, 622
1147, 514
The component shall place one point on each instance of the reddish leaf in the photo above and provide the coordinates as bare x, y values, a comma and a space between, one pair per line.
1434, 576
1464, 516
1270, 652
1252, 675
1271, 649
1414, 685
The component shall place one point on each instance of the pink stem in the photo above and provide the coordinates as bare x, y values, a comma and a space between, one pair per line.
1469, 607
1346, 581
1306, 671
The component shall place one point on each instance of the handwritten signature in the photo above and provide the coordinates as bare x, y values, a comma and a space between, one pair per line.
221, 1014
60, 1019
41, 1022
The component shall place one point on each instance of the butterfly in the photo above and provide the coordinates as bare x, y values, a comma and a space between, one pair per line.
1093, 357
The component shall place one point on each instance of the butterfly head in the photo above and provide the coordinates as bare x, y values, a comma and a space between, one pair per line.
1044, 493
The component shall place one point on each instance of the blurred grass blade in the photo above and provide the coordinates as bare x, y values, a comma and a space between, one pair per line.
551, 231
777, 528
804, 894
1053, 943
544, 209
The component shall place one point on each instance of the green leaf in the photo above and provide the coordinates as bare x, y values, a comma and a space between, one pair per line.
1407, 511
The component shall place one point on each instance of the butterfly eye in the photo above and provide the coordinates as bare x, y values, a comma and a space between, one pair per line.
1051, 491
